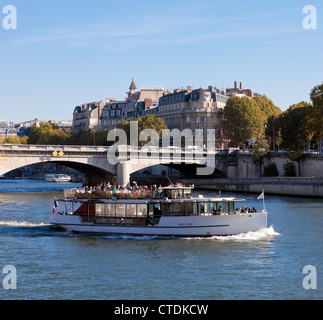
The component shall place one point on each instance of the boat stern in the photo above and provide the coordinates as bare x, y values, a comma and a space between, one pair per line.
65, 221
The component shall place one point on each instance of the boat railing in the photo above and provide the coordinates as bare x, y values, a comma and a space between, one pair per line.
110, 194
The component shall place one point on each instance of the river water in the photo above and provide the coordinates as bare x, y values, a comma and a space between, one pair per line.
53, 264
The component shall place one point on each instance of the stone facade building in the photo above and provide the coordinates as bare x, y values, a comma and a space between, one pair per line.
137, 104
87, 116
194, 109
181, 109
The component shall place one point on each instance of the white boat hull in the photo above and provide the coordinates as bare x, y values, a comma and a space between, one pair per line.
184, 226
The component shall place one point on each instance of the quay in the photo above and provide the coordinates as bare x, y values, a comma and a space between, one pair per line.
299, 187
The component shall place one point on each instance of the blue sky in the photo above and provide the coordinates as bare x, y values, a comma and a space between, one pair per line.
65, 53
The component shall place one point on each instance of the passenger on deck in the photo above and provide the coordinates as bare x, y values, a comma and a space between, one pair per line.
214, 211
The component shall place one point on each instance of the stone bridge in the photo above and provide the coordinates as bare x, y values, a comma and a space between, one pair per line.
118, 163
115, 163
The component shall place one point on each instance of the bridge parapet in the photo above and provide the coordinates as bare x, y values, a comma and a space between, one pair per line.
45, 148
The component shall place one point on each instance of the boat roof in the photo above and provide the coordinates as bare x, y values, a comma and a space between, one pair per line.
177, 187
146, 201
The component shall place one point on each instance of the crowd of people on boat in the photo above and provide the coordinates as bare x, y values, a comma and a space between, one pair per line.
111, 187
244, 209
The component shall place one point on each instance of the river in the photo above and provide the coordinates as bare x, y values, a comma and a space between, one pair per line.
53, 264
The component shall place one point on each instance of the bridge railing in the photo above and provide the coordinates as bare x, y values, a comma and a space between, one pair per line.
64, 148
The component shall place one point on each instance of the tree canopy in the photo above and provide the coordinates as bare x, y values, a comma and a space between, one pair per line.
315, 112
243, 120
294, 128
47, 133
267, 106
147, 122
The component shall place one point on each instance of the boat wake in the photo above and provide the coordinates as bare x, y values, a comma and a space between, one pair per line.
22, 224
263, 234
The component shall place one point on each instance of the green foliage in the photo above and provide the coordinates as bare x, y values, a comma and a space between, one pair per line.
271, 170
13, 140
148, 122
294, 129
81, 137
260, 148
289, 169
315, 113
46, 133
243, 120
267, 106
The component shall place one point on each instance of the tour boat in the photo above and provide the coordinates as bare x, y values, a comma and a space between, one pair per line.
168, 211
57, 178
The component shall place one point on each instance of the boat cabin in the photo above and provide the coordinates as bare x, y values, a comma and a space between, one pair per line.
173, 201
177, 192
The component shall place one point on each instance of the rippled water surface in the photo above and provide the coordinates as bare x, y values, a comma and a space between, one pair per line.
53, 264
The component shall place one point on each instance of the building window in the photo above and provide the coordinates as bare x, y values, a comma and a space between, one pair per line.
202, 119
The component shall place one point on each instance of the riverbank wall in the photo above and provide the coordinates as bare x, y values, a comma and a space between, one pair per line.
300, 187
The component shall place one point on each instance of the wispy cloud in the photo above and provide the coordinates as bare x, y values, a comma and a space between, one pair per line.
124, 36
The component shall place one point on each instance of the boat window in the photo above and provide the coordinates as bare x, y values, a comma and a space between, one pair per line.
231, 207
100, 209
189, 208
154, 210
187, 193
223, 205
167, 193
120, 209
202, 208
177, 194
131, 210
210, 206
111, 209
175, 208
141, 210
103, 209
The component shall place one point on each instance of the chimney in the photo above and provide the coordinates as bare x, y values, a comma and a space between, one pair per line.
240, 85
210, 88
189, 88
147, 103
235, 84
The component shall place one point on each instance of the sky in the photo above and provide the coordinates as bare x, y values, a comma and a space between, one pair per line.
66, 53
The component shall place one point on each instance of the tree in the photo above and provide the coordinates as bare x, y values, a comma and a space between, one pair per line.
16, 140
279, 138
81, 137
272, 113
46, 133
295, 130
148, 122
289, 169
267, 106
315, 114
243, 120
